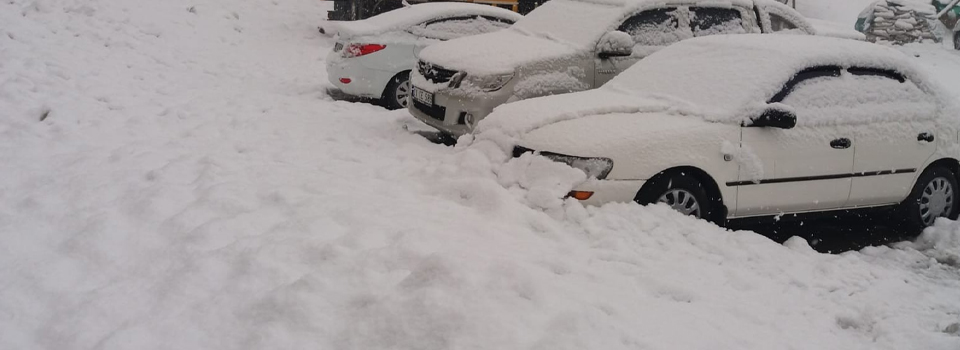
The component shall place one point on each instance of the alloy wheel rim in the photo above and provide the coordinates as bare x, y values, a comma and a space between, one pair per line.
403, 91
682, 201
936, 200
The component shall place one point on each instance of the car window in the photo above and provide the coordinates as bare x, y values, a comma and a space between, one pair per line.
452, 28
859, 96
657, 27
715, 20
778, 23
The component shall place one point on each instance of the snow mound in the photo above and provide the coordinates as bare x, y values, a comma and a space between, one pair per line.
175, 178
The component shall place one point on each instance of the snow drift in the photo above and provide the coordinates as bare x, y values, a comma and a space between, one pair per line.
174, 177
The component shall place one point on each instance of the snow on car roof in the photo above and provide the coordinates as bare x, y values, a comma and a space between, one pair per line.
412, 15
727, 73
580, 23
555, 29
722, 78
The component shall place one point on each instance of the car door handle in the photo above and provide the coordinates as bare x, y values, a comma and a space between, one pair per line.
925, 137
841, 143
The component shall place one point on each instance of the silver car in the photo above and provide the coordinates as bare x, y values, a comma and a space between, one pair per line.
571, 45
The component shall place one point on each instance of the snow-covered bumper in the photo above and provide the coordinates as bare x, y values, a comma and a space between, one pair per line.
453, 111
598, 192
352, 77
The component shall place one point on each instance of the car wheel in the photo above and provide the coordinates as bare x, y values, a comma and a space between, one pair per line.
680, 191
956, 41
933, 196
396, 95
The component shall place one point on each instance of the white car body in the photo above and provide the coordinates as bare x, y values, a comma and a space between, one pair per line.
402, 33
688, 108
558, 47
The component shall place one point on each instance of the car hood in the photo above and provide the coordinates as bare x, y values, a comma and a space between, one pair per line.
495, 53
518, 118
606, 135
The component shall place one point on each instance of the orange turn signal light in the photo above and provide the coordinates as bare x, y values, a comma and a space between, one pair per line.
580, 195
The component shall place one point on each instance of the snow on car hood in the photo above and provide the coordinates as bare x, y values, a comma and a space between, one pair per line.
494, 53
518, 118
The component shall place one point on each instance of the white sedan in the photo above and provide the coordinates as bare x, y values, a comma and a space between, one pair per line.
742, 126
373, 57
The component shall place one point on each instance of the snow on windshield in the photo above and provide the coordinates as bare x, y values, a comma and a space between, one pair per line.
576, 23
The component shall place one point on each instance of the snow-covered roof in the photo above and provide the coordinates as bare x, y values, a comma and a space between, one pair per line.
556, 28
728, 72
721, 78
405, 17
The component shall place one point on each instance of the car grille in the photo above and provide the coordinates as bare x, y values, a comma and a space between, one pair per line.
435, 111
338, 47
434, 73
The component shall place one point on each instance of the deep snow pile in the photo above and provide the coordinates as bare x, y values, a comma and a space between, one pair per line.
174, 177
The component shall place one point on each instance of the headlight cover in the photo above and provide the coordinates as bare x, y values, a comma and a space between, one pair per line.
490, 83
596, 167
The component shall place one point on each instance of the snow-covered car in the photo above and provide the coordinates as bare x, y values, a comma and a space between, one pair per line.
571, 45
950, 19
373, 57
739, 126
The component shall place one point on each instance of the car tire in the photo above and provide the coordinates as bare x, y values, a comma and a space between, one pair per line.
681, 191
933, 196
956, 41
397, 93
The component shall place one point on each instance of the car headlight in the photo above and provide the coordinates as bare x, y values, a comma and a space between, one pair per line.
596, 167
490, 82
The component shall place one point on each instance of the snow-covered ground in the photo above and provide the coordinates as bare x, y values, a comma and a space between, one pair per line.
174, 177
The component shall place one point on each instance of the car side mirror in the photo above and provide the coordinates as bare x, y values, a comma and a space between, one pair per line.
774, 117
615, 44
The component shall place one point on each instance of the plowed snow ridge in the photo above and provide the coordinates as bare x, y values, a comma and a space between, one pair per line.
192, 187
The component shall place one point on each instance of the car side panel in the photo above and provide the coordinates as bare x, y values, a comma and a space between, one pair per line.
370, 74
641, 146
794, 170
893, 150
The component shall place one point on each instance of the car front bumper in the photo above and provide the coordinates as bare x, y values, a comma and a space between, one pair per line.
451, 112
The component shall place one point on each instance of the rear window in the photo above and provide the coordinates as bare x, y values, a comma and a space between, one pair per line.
452, 28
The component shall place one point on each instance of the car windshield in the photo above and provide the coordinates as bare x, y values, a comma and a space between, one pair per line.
722, 79
576, 23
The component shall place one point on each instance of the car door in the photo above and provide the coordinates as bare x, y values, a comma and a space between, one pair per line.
650, 30
806, 168
894, 139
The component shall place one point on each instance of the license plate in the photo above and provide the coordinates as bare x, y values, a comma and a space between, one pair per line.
423, 96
